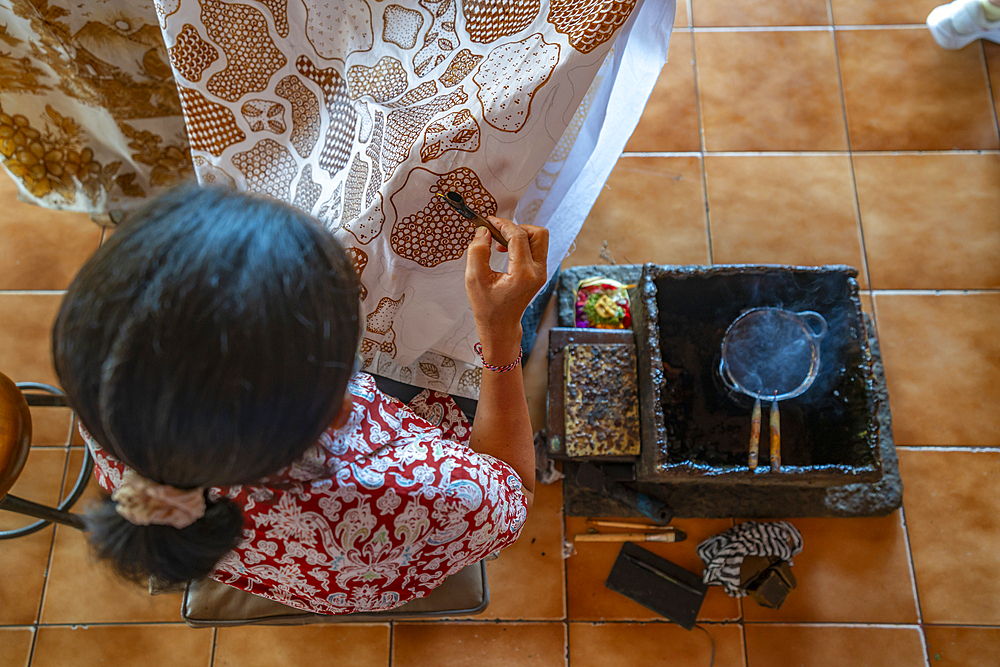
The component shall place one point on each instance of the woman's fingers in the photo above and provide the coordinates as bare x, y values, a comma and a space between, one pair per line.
477, 262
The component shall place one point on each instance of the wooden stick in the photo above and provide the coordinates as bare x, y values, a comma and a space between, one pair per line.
775, 437
633, 526
628, 537
754, 434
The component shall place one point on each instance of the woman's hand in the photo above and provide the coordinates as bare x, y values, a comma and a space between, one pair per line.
498, 300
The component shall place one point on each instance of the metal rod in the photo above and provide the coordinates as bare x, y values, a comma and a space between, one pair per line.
601, 523
22, 506
754, 434
629, 537
775, 437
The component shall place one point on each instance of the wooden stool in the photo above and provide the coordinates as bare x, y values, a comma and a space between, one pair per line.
15, 443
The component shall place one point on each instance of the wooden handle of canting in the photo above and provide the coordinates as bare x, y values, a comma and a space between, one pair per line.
626, 537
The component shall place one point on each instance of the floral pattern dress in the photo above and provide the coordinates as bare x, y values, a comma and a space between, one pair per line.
375, 514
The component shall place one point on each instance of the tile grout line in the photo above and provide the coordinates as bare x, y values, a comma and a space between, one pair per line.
392, 626
819, 27
913, 585
784, 153
850, 158
215, 639
743, 633
701, 140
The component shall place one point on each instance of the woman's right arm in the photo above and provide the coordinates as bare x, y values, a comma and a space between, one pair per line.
502, 427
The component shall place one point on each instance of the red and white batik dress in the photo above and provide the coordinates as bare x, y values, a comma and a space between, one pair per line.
374, 515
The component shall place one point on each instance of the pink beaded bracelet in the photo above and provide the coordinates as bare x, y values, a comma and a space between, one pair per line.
497, 369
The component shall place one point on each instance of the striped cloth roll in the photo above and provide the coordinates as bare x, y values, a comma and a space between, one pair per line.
723, 554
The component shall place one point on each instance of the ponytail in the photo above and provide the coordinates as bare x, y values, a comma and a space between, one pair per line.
170, 555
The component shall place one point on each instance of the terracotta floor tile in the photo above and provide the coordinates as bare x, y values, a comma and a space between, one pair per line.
904, 92
262, 646
652, 209
850, 570
751, 13
480, 644
819, 646
50, 427
83, 590
123, 645
962, 647
953, 519
24, 560
930, 221
942, 361
799, 210
993, 65
865, 12
16, 644
681, 19
25, 337
652, 645
42, 249
586, 572
769, 91
670, 119
527, 581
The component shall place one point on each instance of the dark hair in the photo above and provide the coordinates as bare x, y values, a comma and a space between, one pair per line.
208, 342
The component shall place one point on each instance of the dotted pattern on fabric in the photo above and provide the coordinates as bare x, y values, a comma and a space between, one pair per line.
589, 23
373, 151
457, 131
252, 58
343, 117
359, 258
401, 26
354, 188
307, 192
279, 10
305, 113
267, 168
471, 379
421, 92
488, 21
191, 55
263, 115
460, 66
440, 38
384, 81
337, 29
438, 234
509, 78
211, 127
379, 321
403, 126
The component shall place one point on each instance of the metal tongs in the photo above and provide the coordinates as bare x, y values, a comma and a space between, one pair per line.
775, 435
457, 203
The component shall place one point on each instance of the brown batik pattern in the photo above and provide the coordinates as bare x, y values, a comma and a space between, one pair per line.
268, 168
373, 151
441, 38
209, 174
460, 66
191, 55
359, 258
457, 131
379, 333
367, 226
384, 81
488, 21
211, 127
305, 113
329, 211
252, 58
470, 381
340, 133
420, 93
438, 234
263, 115
279, 10
403, 126
509, 78
401, 26
354, 188
589, 23
307, 191
337, 29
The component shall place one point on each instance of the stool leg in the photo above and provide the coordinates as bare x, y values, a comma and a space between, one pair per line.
22, 506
